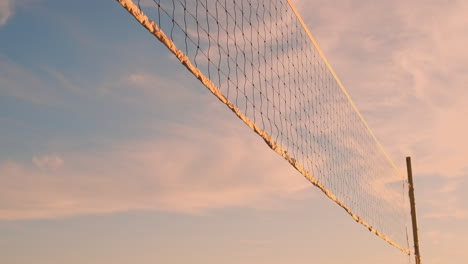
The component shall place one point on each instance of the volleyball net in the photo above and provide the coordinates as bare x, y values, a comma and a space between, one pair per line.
260, 60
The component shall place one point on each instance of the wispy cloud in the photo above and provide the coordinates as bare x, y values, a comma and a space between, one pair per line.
48, 161
191, 171
447, 202
450, 187
6, 11
18, 82
438, 237
448, 213
402, 63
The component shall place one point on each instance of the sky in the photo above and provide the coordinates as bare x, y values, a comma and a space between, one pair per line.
111, 152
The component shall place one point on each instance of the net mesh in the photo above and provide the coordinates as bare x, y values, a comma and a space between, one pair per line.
259, 59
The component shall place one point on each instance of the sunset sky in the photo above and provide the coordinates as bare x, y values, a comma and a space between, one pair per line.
111, 152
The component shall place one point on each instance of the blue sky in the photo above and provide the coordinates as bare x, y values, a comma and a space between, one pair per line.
95, 114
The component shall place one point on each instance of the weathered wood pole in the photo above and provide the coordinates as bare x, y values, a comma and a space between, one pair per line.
413, 211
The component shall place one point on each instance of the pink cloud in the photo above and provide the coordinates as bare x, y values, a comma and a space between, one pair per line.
446, 206
48, 162
403, 63
192, 171
6, 11
7, 8
451, 213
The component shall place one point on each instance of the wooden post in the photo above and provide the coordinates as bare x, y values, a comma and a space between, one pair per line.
413, 211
